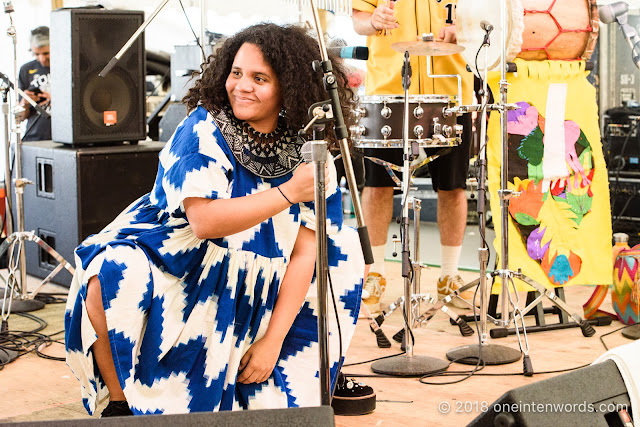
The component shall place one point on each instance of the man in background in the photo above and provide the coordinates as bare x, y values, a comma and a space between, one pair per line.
35, 80
384, 23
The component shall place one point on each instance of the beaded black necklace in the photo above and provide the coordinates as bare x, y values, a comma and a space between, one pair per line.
268, 155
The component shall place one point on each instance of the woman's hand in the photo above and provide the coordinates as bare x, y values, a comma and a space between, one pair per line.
258, 362
301, 186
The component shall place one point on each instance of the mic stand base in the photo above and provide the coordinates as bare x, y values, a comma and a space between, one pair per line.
7, 356
409, 366
26, 305
492, 354
632, 332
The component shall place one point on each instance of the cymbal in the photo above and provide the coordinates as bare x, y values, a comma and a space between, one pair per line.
431, 48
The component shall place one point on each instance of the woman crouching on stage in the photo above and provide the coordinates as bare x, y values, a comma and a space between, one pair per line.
201, 295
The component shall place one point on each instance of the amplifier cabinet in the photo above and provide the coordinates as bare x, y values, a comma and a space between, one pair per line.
77, 191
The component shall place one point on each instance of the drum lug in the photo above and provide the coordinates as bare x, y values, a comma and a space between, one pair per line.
418, 112
357, 131
418, 131
459, 130
437, 127
386, 131
359, 113
385, 112
447, 131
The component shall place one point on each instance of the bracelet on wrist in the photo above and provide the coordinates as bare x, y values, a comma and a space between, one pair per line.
285, 197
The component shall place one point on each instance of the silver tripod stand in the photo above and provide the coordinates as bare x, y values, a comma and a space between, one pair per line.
489, 354
471, 354
16, 297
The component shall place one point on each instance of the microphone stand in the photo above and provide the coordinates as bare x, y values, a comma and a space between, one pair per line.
23, 304
483, 353
341, 133
407, 364
112, 63
26, 301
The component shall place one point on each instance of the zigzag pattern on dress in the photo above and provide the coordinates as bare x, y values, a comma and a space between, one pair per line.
182, 311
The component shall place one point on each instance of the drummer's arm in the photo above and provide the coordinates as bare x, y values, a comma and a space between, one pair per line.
363, 23
369, 24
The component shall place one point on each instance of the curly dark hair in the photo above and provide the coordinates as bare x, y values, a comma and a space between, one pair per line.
290, 51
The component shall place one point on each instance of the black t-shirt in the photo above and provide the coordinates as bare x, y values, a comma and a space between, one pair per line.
34, 75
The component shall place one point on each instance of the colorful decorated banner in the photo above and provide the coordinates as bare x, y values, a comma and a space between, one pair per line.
560, 225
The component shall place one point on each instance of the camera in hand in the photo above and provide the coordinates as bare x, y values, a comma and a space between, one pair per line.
36, 92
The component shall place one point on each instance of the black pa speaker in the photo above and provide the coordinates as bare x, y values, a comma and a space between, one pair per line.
77, 192
593, 396
321, 416
87, 108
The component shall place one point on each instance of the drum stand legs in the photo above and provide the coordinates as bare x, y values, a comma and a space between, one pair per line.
409, 364
422, 319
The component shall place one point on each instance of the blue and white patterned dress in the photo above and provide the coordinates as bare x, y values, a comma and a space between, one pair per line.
181, 311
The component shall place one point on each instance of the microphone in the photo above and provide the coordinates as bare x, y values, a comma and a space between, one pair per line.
485, 25
350, 52
305, 152
610, 12
618, 12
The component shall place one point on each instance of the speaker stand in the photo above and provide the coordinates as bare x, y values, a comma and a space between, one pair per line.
632, 332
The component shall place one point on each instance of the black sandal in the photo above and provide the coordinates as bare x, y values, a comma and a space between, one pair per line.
116, 408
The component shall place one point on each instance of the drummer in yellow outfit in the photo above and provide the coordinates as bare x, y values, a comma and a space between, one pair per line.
401, 21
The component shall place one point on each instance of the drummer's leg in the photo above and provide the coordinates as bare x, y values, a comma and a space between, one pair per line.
377, 209
449, 175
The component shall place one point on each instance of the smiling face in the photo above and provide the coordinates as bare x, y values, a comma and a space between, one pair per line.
254, 90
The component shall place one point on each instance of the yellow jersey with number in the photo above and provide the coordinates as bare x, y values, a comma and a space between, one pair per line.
384, 67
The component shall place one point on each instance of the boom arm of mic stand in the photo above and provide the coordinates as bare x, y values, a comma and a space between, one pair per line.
131, 40
33, 103
331, 86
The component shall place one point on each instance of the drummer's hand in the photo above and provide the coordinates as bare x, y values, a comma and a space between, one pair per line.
448, 34
383, 17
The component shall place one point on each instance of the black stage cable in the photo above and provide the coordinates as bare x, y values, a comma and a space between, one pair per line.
612, 332
335, 310
192, 31
24, 342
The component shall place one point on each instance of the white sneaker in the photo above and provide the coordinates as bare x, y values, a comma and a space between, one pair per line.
448, 284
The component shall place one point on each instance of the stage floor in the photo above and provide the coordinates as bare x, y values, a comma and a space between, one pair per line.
33, 388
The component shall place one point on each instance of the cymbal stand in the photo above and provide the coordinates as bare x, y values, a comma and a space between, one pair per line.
13, 243
488, 354
407, 364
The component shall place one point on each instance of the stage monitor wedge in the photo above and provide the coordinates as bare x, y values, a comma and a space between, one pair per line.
592, 396
88, 109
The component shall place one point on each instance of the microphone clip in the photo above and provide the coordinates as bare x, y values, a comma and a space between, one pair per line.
406, 72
